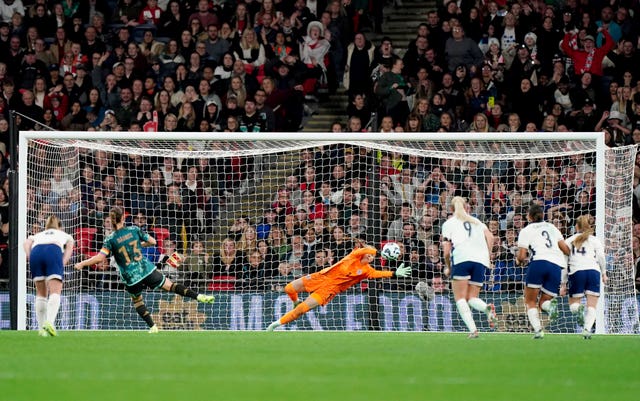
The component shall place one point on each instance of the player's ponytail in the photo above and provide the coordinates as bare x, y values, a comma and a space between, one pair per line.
459, 210
52, 222
583, 225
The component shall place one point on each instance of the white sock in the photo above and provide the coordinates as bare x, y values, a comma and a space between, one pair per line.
41, 311
589, 318
546, 305
478, 304
574, 308
53, 305
465, 313
534, 319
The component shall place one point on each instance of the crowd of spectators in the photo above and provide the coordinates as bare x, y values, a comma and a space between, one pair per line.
520, 66
158, 65
199, 65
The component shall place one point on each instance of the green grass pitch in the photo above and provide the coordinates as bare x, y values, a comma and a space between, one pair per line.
308, 366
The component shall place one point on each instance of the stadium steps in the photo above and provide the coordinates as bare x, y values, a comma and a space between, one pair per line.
327, 112
400, 24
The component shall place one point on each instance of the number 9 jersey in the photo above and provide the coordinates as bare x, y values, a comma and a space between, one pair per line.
125, 245
541, 240
468, 241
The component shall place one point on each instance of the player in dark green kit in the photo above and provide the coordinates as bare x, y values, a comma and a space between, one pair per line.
137, 272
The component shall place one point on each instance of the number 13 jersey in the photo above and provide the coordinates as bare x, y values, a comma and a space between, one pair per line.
126, 247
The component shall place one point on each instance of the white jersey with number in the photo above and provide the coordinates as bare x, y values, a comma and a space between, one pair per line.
590, 256
51, 236
541, 239
468, 241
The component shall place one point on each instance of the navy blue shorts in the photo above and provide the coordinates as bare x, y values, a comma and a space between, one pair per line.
45, 262
545, 276
472, 271
584, 282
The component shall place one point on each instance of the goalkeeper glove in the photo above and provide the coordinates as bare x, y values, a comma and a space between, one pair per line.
402, 271
174, 260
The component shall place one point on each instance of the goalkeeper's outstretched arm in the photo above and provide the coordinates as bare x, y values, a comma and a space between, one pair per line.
401, 271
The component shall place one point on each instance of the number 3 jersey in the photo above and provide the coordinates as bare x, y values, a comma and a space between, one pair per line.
468, 241
541, 239
125, 246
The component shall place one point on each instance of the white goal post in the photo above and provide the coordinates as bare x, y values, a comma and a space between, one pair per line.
273, 158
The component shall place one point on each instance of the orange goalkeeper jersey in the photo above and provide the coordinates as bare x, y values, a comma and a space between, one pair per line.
349, 271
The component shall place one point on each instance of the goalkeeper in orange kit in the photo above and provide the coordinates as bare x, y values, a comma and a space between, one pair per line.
324, 285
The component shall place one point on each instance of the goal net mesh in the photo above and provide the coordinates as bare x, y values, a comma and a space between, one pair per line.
621, 310
246, 217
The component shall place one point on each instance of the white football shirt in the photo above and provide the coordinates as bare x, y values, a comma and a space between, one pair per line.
541, 239
468, 241
51, 236
590, 256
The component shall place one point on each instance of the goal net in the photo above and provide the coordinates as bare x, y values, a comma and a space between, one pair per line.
247, 215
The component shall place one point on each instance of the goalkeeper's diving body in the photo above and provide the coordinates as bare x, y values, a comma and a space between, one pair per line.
137, 272
467, 243
324, 285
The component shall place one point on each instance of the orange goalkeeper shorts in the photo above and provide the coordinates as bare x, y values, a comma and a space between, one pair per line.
321, 289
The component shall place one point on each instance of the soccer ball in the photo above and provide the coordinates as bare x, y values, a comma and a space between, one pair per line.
390, 251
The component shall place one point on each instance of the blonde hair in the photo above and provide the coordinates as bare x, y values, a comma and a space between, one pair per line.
246, 245
244, 43
52, 222
224, 257
241, 94
482, 116
460, 212
583, 224
190, 118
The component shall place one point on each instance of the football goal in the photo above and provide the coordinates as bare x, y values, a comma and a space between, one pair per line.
245, 213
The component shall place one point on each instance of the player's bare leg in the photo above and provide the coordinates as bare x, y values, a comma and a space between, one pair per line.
577, 309
549, 304
460, 292
531, 301
590, 316
474, 301
54, 288
41, 306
